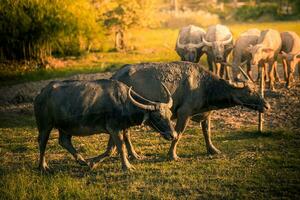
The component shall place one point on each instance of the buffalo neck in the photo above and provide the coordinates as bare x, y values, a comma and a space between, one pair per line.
218, 94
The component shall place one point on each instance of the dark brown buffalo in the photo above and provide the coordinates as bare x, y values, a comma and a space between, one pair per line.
83, 108
195, 92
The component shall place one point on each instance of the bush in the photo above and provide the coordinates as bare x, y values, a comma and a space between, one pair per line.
33, 29
252, 13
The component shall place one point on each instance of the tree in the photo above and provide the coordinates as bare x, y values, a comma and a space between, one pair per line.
120, 15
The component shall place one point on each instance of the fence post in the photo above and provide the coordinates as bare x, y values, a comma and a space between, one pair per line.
262, 86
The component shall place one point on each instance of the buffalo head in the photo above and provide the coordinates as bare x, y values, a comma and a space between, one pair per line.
219, 48
259, 53
190, 51
158, 115
246, 94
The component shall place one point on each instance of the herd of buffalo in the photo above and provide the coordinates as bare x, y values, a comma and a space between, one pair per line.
154, 94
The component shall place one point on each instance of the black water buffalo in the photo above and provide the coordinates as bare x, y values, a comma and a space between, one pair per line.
195, 92
82, 108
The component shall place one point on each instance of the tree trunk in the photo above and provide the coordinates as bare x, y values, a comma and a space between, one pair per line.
119, 40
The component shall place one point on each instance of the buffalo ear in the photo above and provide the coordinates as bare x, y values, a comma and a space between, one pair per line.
249, 48
267, 50
282, 54
297, 55
230, 47
205, 49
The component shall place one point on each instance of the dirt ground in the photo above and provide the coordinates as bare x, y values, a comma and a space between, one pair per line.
284, 113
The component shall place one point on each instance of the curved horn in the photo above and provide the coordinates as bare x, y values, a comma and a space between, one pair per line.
181, 46
138, 104
192, 45
170, 100
143, 98
227, 41
207, 43
243, 72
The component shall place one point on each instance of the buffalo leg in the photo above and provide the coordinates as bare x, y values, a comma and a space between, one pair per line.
271, 76
182, 121
65, 142
267, 77
298, 64
118, 140
277, 77
132, 153
205, 124
227, 71
291, 71
42, 140
210, 63
218, 69
249, 70
285, 70
224, 72
110, 149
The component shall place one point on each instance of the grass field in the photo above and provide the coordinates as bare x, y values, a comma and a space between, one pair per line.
252, 165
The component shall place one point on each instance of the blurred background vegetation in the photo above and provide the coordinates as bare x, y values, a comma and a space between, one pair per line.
36, 32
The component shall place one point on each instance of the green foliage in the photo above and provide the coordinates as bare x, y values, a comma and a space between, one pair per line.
251, 13
125, 14
118, 16
31, 29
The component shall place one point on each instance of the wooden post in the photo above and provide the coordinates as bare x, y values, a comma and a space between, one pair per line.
262, 87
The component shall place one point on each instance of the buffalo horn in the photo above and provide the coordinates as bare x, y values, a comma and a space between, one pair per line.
138, 104
170, 100
227, 41
243, 72
207, 43
181, 46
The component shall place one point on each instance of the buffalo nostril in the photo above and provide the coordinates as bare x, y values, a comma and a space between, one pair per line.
219, 58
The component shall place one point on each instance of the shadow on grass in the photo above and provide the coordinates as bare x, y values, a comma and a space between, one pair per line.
17, 120
245, 135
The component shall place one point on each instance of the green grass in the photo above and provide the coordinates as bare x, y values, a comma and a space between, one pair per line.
252, 166
146, 45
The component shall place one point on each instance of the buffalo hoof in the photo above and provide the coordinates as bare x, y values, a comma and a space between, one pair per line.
136, 157
272, 89
213, 151
92, 165
128, 168
174, 157
44, 168
278, 80
81, 161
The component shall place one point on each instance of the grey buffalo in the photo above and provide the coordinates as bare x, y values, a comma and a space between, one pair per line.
195, 92
240, 53
266, 52
219, 43
189, 43
83, 108
291, 55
